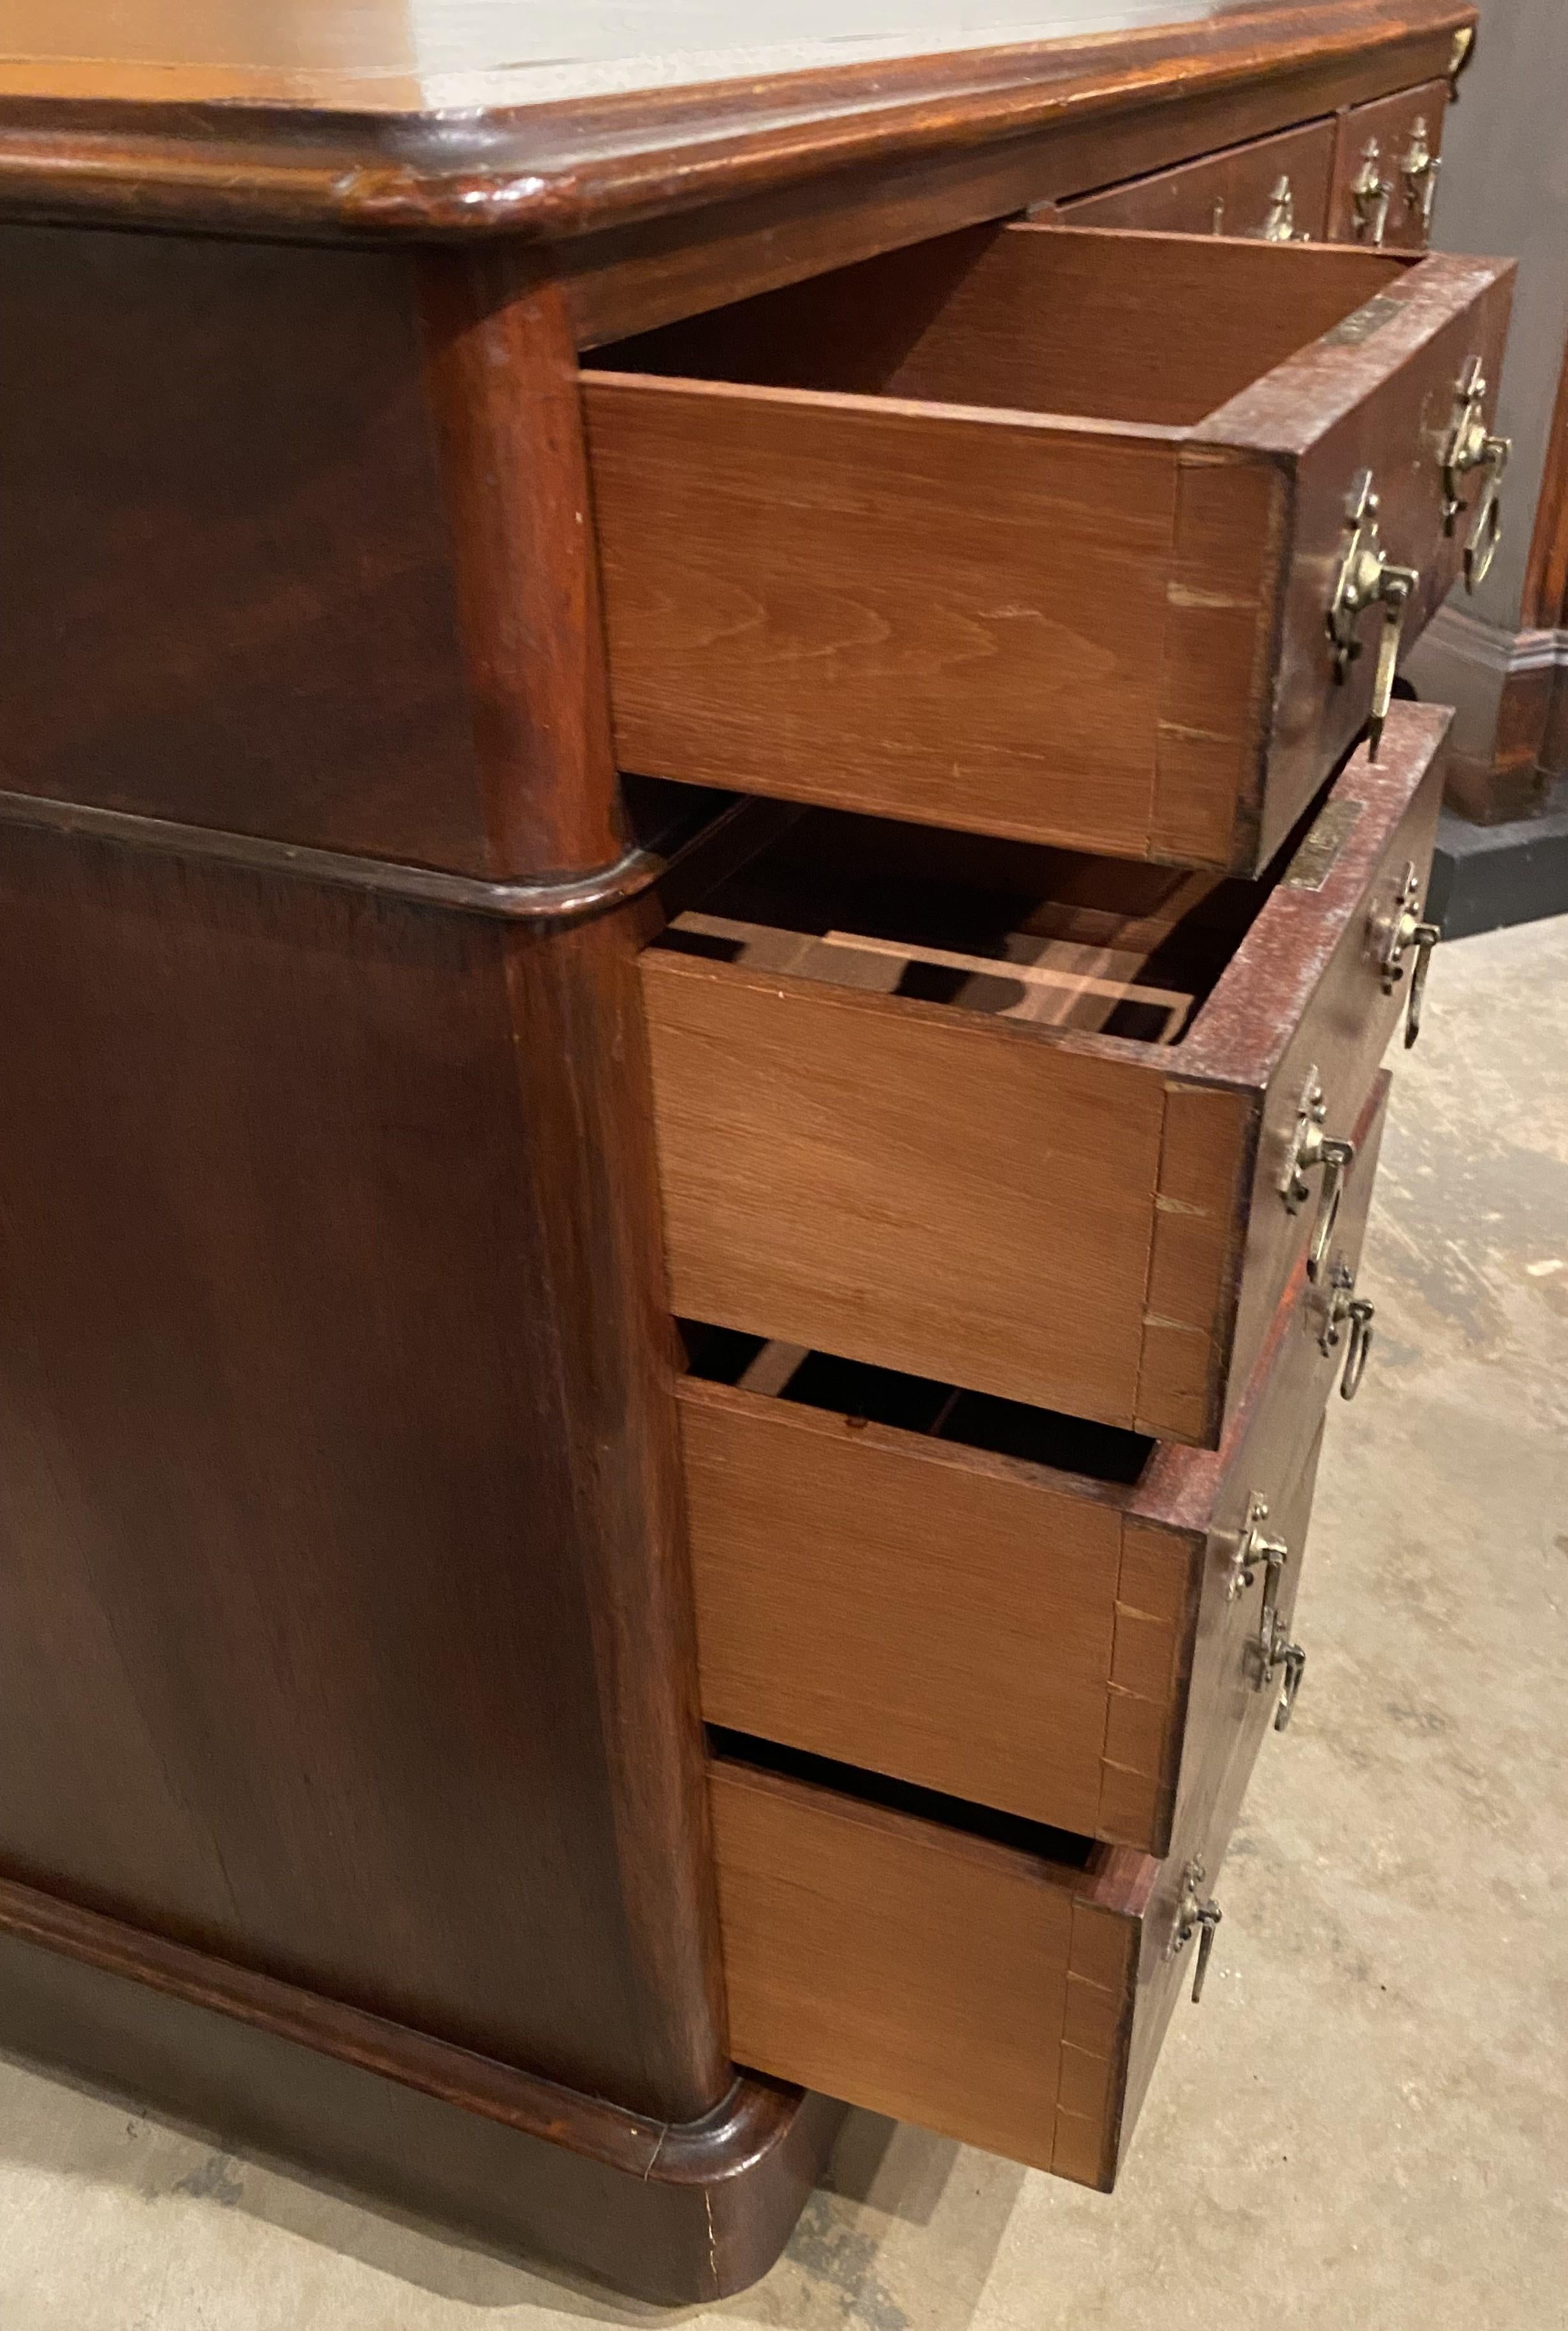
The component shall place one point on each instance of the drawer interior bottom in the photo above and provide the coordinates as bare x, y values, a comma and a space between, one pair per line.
1060, 1851
861, 1393
1057, 937
1049, 319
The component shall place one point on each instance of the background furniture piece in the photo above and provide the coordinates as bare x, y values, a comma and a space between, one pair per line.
353, 1790
1501, 657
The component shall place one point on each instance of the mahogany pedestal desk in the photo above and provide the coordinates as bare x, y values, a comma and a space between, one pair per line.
355, 1793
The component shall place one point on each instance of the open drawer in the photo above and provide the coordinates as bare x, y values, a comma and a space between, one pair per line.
985, 1599
1032, 530
1052, 1127
991, 1978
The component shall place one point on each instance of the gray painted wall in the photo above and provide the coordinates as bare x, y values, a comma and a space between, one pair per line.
1505, 189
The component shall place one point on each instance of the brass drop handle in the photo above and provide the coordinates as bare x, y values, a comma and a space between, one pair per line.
1310, 1148
1406, 930
1425, 936
1368, 578
1194, 1916
1279, 219
1279, 1653
1419, 169
1344, 1310
1470, 446
1370, 191
1359, 1312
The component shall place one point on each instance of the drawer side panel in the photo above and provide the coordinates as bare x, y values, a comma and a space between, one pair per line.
935, 1193
905, 1968
884, 607
902, 1609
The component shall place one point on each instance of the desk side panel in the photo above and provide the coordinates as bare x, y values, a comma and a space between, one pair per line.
343, 1627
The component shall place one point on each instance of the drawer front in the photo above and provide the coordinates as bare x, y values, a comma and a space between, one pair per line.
1056, 1220
1229, 1720
1340, 1038
999, 1630
1057, 563
1379, 398
979, 1985
1385, 169
1235, 193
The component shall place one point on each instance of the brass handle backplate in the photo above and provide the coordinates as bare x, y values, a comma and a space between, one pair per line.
1470, 446
1403, 930
1194, 1916
1307, 1149
1279, 219
1368, 578
1255, 1551
1418, 170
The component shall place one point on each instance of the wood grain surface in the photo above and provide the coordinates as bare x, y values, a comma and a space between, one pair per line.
1144, 329
1545, 595
501, 382
1228, 1722
875, 602
629, 278
96, 135
345, 1630
909, 1968
227, 598
889, 1181
897, 1602
296, 548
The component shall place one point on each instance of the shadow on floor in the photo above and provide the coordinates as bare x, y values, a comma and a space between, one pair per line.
891, 2193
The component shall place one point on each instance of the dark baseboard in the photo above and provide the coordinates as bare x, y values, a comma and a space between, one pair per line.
1485, 878
677, 2213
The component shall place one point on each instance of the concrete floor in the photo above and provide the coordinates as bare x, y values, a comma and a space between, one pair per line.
1366, 2122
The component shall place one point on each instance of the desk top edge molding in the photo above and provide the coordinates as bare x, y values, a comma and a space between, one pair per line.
551, 172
